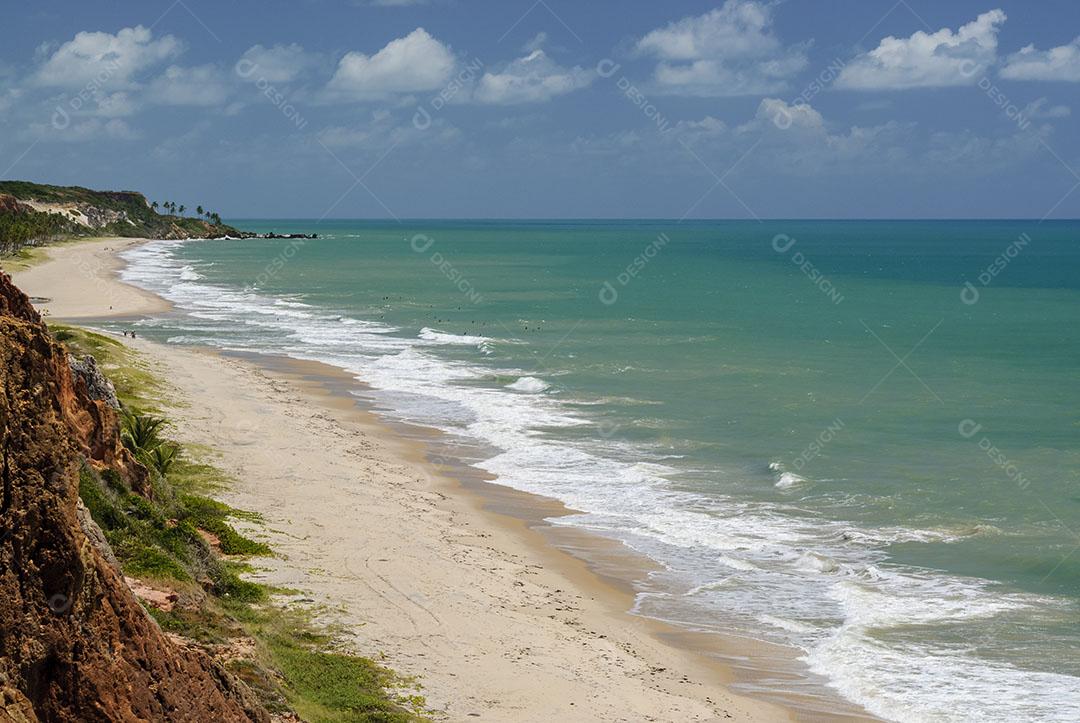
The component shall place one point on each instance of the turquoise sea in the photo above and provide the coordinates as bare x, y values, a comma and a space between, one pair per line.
861, 439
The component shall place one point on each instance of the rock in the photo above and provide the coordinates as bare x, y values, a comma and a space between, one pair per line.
75, 643
161, 599
95, 535
98, 385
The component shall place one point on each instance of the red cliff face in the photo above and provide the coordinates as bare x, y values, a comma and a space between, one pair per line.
75, 645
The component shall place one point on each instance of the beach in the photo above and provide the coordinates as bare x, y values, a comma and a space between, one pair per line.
418, 569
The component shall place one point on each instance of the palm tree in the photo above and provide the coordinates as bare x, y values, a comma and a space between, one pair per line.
154, 206
163, 457
139, 432
199, 210
182, 209
216, 219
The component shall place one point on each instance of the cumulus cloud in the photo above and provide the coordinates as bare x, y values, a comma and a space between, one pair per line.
728, 51
106, 60
927, 60
532, 79
276, 64
204, 85
415, 63
1042, 110
786, 116
1060, 63
115, 105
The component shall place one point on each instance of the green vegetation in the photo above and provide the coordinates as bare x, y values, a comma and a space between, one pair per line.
24, 227
135, 385
183, 540
111, 213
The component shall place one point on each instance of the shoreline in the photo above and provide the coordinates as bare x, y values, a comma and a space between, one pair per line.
476, 593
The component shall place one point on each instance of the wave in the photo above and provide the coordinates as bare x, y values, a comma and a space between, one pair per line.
441, 337
786, 480
531, 385
827, 585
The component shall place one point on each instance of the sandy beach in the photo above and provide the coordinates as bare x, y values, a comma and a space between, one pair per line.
420, 570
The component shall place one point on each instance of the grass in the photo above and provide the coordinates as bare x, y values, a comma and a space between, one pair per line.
22, 259
136, 385
161, 541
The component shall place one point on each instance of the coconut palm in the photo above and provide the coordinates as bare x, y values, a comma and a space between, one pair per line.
139, 432
162, 457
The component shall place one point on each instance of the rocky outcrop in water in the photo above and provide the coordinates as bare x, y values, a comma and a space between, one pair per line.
75, 644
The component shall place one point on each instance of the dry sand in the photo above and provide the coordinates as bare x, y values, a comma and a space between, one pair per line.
493, 621
78, 280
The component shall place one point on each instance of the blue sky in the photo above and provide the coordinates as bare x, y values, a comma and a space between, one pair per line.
552, 108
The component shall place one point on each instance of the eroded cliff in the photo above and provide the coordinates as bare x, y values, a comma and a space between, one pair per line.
75, 644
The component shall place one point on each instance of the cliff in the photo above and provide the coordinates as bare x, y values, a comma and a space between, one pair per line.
34, 213
75, 644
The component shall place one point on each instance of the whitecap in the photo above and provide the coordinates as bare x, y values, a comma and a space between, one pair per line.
531, 385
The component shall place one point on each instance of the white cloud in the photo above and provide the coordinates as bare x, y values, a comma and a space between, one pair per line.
115, 105
204, 85
927, 60
384, 131
416, 63
106, 60
532, 79
1060, 63
728, 51
789, 116
277, 64
90, 129
1042, 110
536, 42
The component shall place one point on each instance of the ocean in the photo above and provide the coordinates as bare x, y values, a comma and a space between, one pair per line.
860, 439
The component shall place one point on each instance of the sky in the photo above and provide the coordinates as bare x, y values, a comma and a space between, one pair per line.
745, 109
